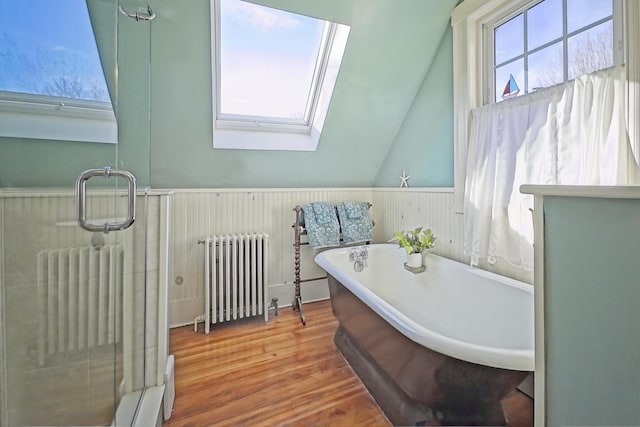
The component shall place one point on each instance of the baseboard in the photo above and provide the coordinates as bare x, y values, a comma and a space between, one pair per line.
170, 388
183, 312
150, 411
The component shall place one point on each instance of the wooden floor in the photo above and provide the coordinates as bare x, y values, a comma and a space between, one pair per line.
280, 373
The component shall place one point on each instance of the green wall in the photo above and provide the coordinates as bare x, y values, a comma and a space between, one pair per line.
592, 339
395, 84
424, 145
39, 163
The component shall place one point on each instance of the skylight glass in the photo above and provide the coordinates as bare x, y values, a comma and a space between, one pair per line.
48, 48
268, 61
273, 76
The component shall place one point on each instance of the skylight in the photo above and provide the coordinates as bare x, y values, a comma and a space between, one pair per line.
47, 48
52, 85
273, 71
267, 60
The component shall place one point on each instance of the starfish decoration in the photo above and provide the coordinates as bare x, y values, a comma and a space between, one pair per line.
404, 179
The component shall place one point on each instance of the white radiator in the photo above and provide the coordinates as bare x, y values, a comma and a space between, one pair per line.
80, 297
236, 274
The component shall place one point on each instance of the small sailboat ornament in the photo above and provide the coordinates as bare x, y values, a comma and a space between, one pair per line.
511, 90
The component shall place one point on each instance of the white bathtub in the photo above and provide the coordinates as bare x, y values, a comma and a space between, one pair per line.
442, 347
451, 308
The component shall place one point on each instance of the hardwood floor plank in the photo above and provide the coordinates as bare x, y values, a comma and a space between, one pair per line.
355, 411
230, 389
279, 373
267, 368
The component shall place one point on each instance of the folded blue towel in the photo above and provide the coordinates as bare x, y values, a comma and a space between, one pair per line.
322, 225
355, 220
324, 212
354, 209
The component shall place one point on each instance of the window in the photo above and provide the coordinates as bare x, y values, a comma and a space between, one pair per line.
475, 23
273, 76
52, 85
550, 42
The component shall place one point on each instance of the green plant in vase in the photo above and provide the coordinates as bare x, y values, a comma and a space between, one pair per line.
415, 242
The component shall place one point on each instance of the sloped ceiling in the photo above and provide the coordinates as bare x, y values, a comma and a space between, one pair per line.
390, 49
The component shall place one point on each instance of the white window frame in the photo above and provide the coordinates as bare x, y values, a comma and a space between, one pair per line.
472, 57
56, 118
492, 24
232, 131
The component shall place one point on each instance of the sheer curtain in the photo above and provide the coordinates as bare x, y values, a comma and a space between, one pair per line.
572, 134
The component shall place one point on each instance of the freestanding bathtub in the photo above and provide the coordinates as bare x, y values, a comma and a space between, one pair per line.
441, 347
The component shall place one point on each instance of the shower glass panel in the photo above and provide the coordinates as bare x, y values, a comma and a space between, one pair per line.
72, 302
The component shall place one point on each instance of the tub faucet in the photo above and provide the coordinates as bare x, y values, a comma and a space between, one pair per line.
359, 257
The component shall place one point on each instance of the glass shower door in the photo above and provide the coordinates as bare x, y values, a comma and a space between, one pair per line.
72, 299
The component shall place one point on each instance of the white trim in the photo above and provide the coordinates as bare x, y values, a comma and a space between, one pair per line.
4, 416
149, 410
53, 118
57, 192
164, 268
591, 191
539, 313
267, 190
260, 133
63, 192
413, 190
261, 140
315, 189
467, 21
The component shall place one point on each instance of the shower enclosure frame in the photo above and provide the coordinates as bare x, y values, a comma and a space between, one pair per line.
153, 225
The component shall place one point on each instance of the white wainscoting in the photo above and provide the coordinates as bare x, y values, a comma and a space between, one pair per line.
196, 213
430, 208
201, 212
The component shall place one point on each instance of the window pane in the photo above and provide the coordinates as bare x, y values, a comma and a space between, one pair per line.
267, 60
545, 67
502, 78
48, 48
581, 13
544, 23
591, 50
509, 39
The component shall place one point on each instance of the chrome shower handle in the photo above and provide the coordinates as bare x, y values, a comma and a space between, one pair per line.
81, 199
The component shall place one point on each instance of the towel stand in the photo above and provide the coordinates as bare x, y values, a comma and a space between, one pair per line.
299, 230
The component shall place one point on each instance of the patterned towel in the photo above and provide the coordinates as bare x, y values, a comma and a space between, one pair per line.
322, 225
355, 220
354, 209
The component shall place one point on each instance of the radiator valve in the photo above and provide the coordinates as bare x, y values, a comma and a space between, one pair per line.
274, 305
197, 320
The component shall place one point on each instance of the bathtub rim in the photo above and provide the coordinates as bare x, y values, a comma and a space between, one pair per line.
503, 358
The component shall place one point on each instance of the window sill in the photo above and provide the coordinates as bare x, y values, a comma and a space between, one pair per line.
24, 117
265, 140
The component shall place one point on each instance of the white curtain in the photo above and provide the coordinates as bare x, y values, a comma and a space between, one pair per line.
572, 134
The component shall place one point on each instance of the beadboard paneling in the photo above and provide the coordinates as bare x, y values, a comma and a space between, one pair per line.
429, 208
198, 213
202, 212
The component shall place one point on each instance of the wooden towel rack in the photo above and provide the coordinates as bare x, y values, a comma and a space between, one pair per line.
300, 230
